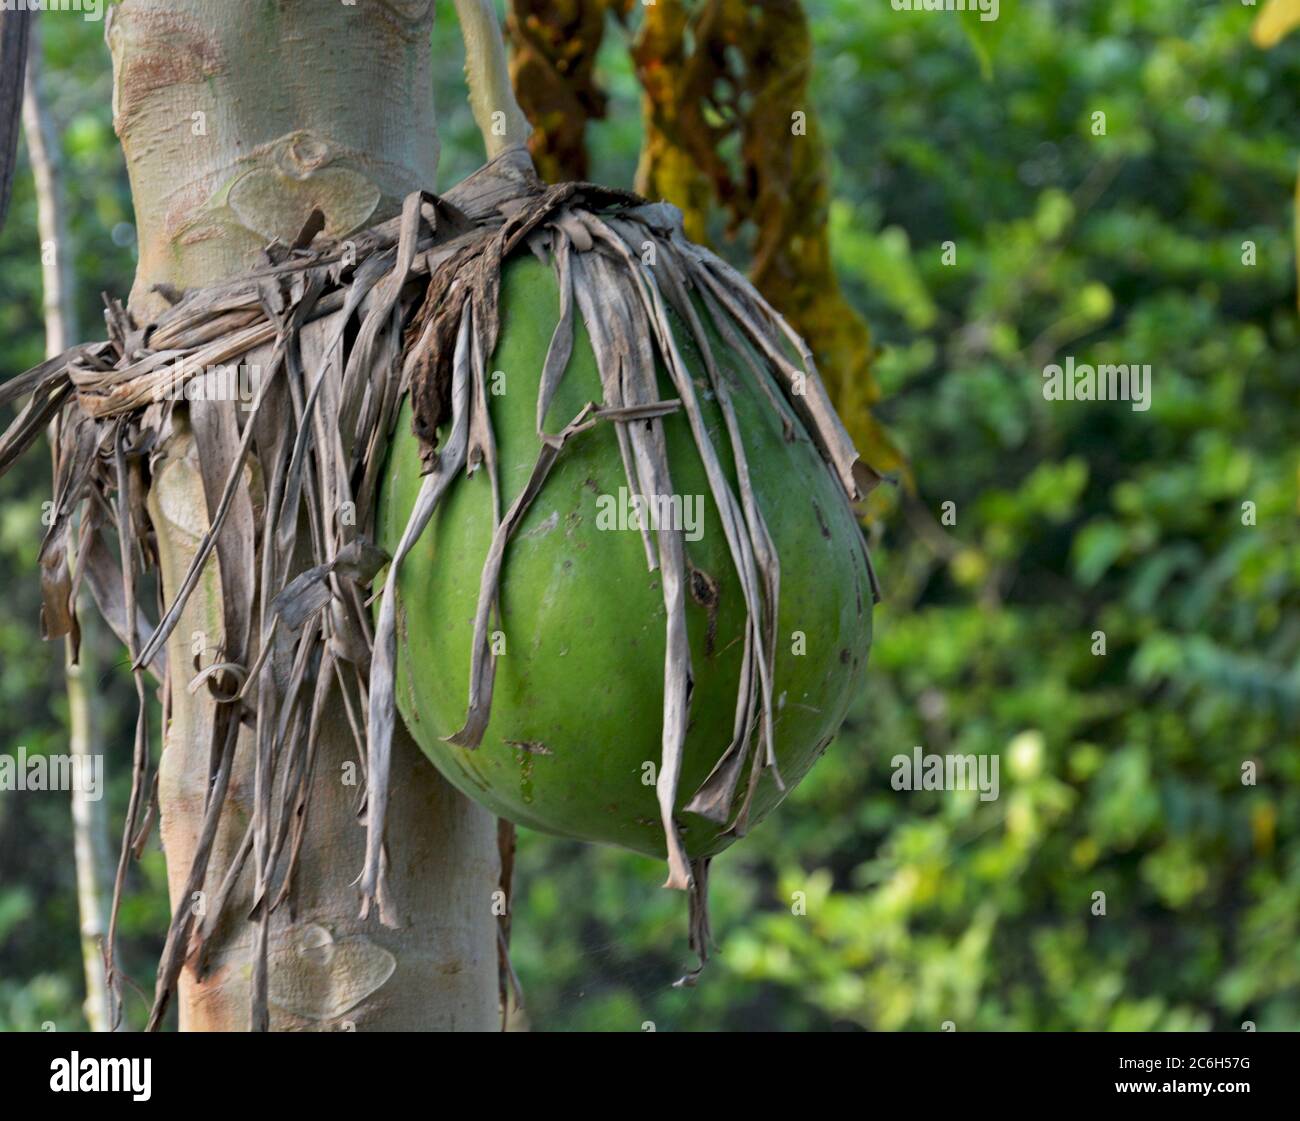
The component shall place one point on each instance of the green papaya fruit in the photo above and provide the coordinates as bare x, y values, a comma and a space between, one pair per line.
574, 736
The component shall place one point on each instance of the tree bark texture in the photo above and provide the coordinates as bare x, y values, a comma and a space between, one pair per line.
89, 815
238, 119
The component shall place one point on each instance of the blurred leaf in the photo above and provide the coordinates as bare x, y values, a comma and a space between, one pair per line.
1275, 21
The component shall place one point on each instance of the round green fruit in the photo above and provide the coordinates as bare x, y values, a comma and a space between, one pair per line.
574, 738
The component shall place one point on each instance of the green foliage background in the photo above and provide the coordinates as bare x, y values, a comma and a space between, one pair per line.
1120, 773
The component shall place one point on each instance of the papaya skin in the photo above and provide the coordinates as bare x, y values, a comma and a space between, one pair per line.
573, 743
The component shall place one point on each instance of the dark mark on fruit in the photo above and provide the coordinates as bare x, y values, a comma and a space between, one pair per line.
821, 521
533, 747
704, 591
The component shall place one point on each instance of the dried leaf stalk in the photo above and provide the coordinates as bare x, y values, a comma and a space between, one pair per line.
333, 336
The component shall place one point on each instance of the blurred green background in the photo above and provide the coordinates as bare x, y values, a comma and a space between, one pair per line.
1120, 773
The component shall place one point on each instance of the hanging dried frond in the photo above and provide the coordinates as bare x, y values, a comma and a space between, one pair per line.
332, 338
720, 71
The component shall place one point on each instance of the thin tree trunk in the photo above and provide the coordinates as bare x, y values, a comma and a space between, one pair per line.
89, 815
238, 118
491, 96
15, 25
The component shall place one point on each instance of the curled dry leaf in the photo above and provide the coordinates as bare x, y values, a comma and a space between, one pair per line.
334, 342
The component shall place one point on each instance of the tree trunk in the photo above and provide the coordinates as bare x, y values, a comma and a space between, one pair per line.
718, 70
15, 25
89, 815
553, 66
238, 118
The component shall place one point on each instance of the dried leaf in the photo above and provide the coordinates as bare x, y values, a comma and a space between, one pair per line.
338, 344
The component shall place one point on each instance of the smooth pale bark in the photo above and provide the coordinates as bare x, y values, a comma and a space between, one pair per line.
238, 117
89, 815
491, 96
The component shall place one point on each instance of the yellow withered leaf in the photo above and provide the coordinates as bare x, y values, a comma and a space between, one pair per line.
1278, 18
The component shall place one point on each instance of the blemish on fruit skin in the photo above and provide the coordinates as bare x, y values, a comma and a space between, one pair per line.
845, 656
403, 640
467, 762
545, 527
533, 747
474, 777
704, 591
821, 521
526, 777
